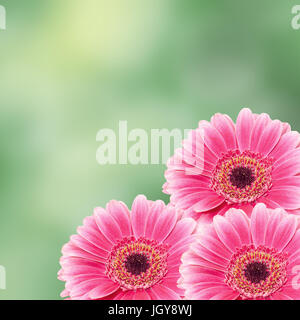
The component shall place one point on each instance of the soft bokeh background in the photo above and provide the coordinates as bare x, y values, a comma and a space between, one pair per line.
69, 68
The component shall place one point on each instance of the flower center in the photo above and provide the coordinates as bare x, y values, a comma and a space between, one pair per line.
137, 263
242, 177
256, 272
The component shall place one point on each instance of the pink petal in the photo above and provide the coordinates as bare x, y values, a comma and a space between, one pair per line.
287, 182
288, 166
142, 295
259, 224
285, 197
91, 232
241, 224
227, 233
294, 244
88, 247
288, 142
196, 274
226, 128
209, 239
139, 215
154, 212
175, 255
203, 201
274, 221
128, 295
164, 224
162, 292
183, 229
84, 287
289, 292
270, 137
171, 283
215, 293
209, 256
194, 145
71, 250
121, 214
284, 232
259, 125
212, 138
280, 296
244, 126
104, 289
107, 225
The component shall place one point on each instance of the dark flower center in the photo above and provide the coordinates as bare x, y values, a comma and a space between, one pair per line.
256, 272
241, 177
136, 263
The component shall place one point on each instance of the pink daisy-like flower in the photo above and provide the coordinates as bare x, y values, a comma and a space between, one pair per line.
223, 165
237, 257
123, 255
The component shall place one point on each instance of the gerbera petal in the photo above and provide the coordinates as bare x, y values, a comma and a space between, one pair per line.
288, 166
214, 293
107, 225
285, 232
164, 293
241, 224
164, 224
212, 138
280, 296
91, 232
139, 215
259, 223
128, 295
209, 239
226, 128
287, 182
183, 229
274, 220
260, 124
207, 200
154, 212
294, 244
142, 295
210, 256
244, 126
227, 233
285, 197
106, 288
88, 247
120, 213
270, 137
288, 142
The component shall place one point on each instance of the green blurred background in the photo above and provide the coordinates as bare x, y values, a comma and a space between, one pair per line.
69, 68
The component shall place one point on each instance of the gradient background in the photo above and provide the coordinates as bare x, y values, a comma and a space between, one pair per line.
69, 68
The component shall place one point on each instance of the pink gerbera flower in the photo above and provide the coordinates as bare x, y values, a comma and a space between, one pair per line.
223, 165
237, 257
118, 254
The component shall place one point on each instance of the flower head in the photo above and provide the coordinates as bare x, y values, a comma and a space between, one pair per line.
237, 257
223, 165
122, 254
